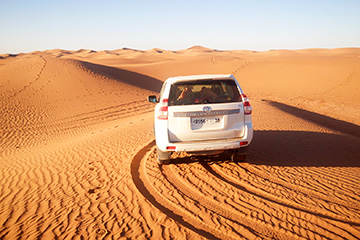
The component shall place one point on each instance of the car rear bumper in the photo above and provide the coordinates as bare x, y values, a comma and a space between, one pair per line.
210, 145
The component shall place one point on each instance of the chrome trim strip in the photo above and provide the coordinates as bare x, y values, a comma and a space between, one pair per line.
212, 113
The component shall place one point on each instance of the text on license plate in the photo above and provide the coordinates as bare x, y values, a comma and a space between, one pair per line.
201, 121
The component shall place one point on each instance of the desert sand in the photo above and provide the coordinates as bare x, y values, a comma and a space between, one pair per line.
77, 155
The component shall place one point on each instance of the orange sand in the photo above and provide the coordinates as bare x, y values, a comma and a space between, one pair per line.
77, 158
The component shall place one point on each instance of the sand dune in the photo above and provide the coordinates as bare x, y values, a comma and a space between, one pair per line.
319, 80
77, 157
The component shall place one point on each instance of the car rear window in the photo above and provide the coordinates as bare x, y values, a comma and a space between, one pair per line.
203, 92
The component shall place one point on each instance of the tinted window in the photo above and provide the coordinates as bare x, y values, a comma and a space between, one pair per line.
204, 91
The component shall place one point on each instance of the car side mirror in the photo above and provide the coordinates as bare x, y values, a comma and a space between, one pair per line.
152, 99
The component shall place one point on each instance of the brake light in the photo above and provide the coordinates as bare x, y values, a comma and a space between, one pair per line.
247, 106
163, 110
173, 148
243, 143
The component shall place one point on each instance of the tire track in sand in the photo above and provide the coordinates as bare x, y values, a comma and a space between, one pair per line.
202, 192
205, 202
75, 122
38, 76
80, 189
265, 183
228, 178
189, 207
142, 183
261, 208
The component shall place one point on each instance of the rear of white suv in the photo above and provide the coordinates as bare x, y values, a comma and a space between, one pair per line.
202, 114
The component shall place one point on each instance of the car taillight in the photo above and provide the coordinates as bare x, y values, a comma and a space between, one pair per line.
163, 110
247, 106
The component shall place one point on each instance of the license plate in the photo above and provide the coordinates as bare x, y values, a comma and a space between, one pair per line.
205, 122
201, 121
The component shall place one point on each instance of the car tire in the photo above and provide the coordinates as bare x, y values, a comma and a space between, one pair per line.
163, 158
238, 156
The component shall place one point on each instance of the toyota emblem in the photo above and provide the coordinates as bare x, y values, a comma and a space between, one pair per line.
207, 109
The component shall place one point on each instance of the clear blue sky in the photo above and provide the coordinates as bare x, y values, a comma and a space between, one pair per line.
29, 25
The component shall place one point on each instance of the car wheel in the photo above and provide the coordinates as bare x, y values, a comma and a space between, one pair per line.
163, 157
238, 157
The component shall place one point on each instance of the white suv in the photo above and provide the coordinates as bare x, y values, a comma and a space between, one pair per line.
202, 114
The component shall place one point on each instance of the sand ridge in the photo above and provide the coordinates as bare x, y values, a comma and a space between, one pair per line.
77, 157
319, 80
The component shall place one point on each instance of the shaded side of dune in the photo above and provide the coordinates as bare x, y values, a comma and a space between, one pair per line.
329, 122
125, 76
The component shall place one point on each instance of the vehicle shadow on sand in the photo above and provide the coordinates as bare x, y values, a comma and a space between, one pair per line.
224, 157
300, 148
294, 149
